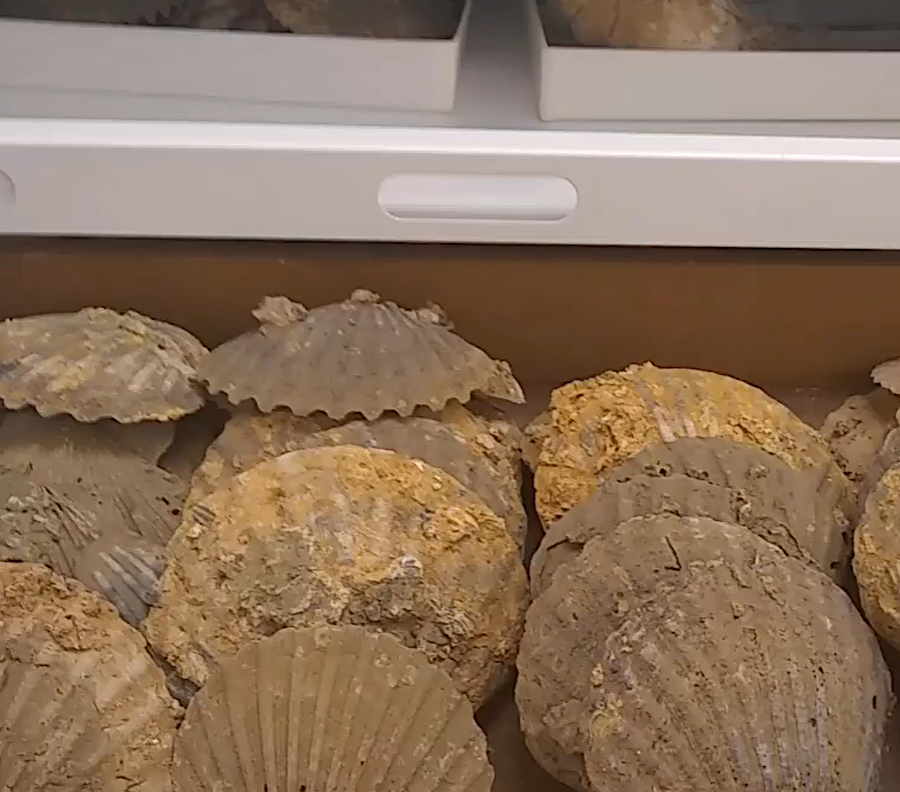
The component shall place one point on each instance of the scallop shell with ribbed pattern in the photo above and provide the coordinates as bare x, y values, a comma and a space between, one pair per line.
361, 356
594, 425
330, 709
707, 477
83, 708
344, 535
98, 364
249, 438
685, 654
64, 485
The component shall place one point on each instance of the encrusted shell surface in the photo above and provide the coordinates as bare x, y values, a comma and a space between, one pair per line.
856, 430
249, 438
358, 356
404, 19
709, 477
888, 375
83, 708
595, 425
64, 485
330, 709
344, 535
98, 364
124, 569
876, 559
686, 654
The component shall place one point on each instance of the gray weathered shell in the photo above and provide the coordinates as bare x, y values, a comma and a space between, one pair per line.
125, 570
888, 375
687, 654
249, 438
99, 364
344, 535
712, 477
110, 11
404, 19
330, 709
358, 356
83, 708
64, 485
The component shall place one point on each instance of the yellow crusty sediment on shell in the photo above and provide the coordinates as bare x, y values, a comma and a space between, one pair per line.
98, 364
344, 535
83, 708
594, 425
363, 355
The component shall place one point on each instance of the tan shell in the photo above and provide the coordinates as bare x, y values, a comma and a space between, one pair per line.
856, 430
595, 425
344, 535
63, 485
888, 375
687, 654
888, 456
249, 438
330, 708
876, 560
403, 19
358, 356
99, 364
709, 477
83, 708
125, 570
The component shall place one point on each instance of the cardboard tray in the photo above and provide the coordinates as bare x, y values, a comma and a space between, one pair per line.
596, 84
807, 326
336, 71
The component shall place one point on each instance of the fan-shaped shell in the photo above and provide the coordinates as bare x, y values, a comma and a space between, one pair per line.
358, 356
856, 430
330, 708
83, 708
888, 375
876, 559
686, 654
709, 477
98, 364
249, 438
124, 569
344, 535
64, 485
597, 424
404, 19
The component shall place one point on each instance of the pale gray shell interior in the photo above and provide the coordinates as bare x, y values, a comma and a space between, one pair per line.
330, 709
888, 375
98, 364
360, 356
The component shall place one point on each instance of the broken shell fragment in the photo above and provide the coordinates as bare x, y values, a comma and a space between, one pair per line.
594, 425
888, 375
98, 364
856, 430
362, 356
124, 569
343, 535
64, 485
709, 477
249, 438
83, 708
683, 653
329, 708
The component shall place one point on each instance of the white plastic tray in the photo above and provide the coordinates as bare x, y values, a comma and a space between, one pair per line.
596, 84
334, 71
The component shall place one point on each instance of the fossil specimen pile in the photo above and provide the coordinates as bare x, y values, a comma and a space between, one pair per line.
688, 630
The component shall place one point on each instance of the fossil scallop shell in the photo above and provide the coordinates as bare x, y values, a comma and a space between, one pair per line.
124, 569
358, 356
856, 430
249, 438
330, 708
707, 477
688, 654
888, 375
64, 485
83, 708
595, 425
98, 364
344, 535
